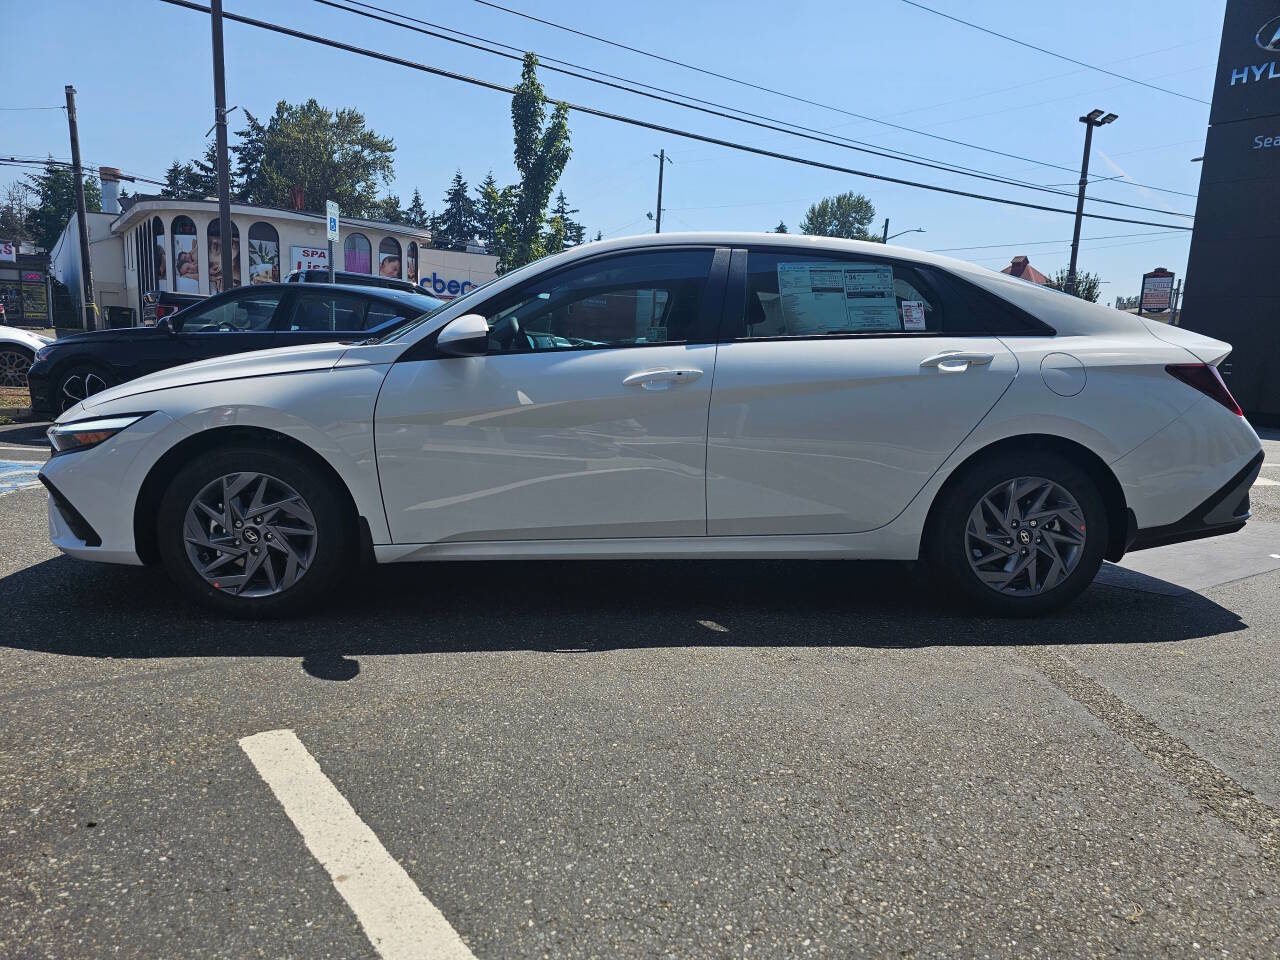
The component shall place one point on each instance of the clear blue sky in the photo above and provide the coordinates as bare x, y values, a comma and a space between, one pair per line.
144, 76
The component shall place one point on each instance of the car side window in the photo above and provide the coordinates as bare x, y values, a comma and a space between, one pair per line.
795, 295
248, 312
381, 312
630, 300
321, 311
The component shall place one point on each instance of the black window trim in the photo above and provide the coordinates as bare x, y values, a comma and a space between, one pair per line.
709, 321
735, 301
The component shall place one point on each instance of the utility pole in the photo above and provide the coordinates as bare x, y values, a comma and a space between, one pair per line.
884, 236
82, 219
662, 162
1173, 306
1094, 118
224, 169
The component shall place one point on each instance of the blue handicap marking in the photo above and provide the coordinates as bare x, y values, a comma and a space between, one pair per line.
18, 474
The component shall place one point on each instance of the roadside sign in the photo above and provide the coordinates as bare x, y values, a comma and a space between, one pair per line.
1157, 291
331, 215
309, 258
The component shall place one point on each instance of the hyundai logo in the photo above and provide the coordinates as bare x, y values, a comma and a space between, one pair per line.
1269, 35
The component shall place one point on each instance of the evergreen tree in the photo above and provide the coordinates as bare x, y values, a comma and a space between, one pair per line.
458, 224
571, 232
780, 228
388, 209
53, 202
416, 215
204, 176
493, 208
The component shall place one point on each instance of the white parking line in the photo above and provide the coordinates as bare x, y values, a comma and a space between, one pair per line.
1264, 482
399, 921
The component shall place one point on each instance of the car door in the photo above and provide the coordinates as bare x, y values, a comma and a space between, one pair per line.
587, 418
236, 322
316, 313
840, 388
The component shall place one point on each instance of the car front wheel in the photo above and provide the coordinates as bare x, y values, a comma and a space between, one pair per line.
253, 532
1019, 534
79, 382
14, 364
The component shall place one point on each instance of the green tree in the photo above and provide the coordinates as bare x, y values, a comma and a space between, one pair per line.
845, 215
780, 228
563, 231
416, 215
491, 210
541, 152
331, 155
13, 213
457, 225
388, 209
53, 202
204, 176
1088, 285
180, 182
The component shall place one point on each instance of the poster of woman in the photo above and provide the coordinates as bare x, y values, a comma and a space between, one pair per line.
389, 264
411, 264
215, 263
186, 264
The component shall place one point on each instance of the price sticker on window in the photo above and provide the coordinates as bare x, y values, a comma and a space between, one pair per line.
913, 315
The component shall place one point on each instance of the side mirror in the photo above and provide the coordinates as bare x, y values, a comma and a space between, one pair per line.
465, 336
164, 324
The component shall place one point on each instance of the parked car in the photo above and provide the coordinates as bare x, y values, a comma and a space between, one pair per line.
17, 351
358, 279
676, 396
246, 318
158, 304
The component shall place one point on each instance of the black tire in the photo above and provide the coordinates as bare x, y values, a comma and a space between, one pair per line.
335, 536
946, 540
80, 380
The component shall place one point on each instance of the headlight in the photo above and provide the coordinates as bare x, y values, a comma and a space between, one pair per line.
83, 434
43, 352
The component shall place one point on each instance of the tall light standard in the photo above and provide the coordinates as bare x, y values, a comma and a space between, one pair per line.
1094, 118
889, 236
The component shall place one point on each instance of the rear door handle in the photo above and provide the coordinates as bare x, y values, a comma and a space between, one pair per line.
662, 379
956, 361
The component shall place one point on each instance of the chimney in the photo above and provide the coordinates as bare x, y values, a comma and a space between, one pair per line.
110, 178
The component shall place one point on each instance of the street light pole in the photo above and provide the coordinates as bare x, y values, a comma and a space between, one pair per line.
227, 240
1094, 118
884, 234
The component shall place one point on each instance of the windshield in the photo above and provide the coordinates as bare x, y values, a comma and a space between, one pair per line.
400, 332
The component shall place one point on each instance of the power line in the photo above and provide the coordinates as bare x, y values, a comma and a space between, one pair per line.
771, 90
1032, 46
1034, 243
646, 124
9, 109
91, 168
762, 121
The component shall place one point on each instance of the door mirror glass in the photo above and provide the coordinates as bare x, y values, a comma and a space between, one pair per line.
466, 336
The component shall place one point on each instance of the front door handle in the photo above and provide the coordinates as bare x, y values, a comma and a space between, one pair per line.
956, 361
662, 379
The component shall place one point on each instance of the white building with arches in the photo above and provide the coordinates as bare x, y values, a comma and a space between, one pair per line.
158, 243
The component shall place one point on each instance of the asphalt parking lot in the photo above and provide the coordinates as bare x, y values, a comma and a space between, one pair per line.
641, 760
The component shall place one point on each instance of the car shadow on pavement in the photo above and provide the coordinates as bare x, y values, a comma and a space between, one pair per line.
69, 607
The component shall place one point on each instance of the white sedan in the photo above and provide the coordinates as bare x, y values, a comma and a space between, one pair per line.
697, 395
17, 351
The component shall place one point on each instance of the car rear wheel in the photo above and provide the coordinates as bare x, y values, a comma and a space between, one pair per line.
14, 364
254, 533
1019, 534
80, 382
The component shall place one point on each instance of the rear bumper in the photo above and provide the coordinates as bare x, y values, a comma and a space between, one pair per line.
1225, 511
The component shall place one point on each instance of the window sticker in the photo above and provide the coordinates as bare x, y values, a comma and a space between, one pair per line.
913, 315
818, 298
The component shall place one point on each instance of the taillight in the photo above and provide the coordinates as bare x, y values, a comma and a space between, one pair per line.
1205, 378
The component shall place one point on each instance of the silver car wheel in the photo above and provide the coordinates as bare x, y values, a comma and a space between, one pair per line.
1025, 536
250, 535
14, 365
79, 386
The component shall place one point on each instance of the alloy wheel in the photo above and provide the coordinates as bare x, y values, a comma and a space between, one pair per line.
79, 386
250, 535
14, 365
1025, 536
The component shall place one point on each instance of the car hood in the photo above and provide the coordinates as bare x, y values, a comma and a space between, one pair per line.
25, 337
122, 335
236, 366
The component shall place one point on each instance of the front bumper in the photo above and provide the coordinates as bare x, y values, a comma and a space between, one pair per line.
93, 493
39, 388
1225, 511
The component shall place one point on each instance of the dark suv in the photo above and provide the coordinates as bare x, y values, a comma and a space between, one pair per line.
356, 279
255, 317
